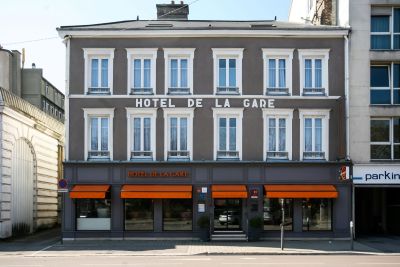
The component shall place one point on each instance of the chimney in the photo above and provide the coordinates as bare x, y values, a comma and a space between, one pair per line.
172, 11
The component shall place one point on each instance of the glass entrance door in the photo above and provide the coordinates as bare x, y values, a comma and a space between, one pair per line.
227, 214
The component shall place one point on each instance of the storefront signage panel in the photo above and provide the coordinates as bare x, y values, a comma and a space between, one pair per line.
198, 103
158, 173
376, 174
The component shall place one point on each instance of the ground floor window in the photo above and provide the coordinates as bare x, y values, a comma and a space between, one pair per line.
139, 214
273, 214
317, 214
177, 214
93, 214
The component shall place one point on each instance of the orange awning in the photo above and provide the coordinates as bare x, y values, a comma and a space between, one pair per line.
89, 191
156, 191
300, 191
229, 191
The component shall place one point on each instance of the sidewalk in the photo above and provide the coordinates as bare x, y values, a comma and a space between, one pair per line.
47, 244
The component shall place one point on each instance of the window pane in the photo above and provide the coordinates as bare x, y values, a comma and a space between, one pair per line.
232, 134
380, 152
184, 73
379, 76
380, 130
396, 83
104, 73
272, 134
396, 130
282, 134
174, 73
396, 41
222, 73
94, 134
183, 134
317, 214
232, 72
273, 214
380, 96
308, 134
318, 135
379, 23
380, 41
93, 214
139, 214
318, 73
222, 134
136, 73
271, 73
308, 73
396, 20
282, 73
147, 70
136, 134
177, 214
146, 134
396, 152
104, 134
95, 73
174, 134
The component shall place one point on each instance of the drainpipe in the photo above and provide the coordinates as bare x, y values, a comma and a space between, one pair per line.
346, 94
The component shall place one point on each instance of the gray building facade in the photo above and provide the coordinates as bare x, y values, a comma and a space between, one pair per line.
189, 129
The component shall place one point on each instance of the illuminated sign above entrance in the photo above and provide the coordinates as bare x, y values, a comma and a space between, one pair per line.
376, 174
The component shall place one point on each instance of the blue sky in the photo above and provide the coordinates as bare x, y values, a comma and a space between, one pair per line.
25, 20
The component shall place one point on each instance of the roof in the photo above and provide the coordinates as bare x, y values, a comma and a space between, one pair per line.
199, 25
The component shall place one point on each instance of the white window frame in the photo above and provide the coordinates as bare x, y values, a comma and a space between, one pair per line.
278, 114
178, 53
98, 112
391, 28
278, 53
100, 53
228, 53
179, 113
313, 54
391, 137
228, 113
142, 54
132, 113
324, 114
391, 87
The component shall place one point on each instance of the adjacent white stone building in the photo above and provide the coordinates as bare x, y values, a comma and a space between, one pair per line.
31, 143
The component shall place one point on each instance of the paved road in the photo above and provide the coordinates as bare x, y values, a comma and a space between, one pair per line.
201, 261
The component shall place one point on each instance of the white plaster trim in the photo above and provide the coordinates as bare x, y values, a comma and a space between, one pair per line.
180, 113
178, 53
322, 54
278, 53
141, 53
89, 53
228, 53
132, 113
278, 113
228, 112
324, 114
106, 112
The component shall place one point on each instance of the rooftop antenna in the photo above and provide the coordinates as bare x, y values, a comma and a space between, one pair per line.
137, 17
275, 18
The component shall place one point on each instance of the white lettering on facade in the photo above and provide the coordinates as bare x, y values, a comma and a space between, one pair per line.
198, 103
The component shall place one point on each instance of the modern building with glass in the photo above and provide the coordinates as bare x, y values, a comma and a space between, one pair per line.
194, 129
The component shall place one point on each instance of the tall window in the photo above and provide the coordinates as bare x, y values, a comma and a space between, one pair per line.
314, 71
139, 214
227, 70
385, 138
314, 134
177, 214
385, 84
272, 213
179, 70
99, 139
93, 214
98, 70
278, 71
385, 29
141, 70
141, 133
277, 138
228, 133
317, 214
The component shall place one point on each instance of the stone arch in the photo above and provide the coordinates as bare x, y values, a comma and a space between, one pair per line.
23, 187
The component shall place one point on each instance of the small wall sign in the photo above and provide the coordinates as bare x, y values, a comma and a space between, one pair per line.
254, 193
156, 173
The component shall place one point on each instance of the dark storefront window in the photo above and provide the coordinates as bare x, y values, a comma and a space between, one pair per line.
273, 214
177, 214
93, 214
317, 214
139, 214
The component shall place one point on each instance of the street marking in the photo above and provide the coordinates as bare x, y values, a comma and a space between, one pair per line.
248, 258
43, 249
377, 263
189, 259
24, 265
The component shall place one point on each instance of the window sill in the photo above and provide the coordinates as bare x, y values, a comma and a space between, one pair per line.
141, 159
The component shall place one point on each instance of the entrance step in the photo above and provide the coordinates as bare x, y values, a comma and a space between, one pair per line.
228, 236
